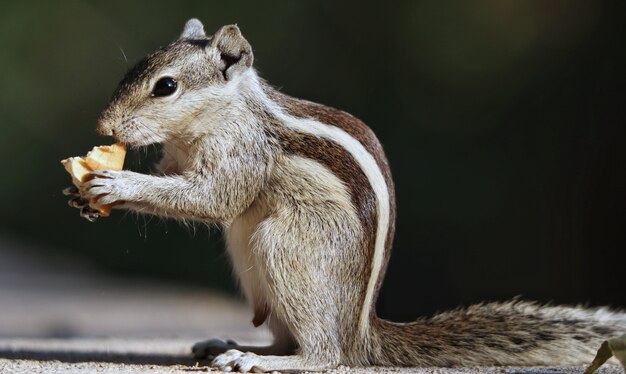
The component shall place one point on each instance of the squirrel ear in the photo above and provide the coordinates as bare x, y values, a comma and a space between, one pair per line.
193, 30
235, 51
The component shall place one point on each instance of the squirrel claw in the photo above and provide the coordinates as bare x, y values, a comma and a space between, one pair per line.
78, 202
89, 214
71, 191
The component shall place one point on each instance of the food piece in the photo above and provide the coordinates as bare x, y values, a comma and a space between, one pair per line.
106, 157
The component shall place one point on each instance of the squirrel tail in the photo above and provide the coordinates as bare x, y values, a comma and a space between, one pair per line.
512, 333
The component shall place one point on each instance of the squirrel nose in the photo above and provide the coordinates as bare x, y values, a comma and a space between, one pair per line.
104, 127
103, 130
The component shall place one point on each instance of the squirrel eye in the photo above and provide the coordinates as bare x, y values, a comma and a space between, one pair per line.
164, 87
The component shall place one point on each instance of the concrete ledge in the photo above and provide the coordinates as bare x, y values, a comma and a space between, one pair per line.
58, 316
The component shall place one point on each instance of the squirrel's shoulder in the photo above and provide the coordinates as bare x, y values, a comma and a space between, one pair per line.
352, 125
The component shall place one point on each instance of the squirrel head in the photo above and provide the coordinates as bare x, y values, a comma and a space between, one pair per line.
159, 98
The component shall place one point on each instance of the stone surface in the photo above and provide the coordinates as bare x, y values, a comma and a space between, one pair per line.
59, 316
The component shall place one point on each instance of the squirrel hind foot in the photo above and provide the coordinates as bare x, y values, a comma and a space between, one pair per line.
234, 360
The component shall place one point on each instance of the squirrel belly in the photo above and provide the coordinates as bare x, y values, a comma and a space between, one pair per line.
306, 198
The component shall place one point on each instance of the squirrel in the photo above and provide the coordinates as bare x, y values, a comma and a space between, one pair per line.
305, 197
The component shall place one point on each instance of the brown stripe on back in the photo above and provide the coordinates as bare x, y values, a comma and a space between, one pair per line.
361, 132
344, 166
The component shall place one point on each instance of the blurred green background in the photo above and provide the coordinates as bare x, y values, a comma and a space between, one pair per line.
504, 124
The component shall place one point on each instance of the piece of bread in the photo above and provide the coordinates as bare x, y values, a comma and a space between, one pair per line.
106, 157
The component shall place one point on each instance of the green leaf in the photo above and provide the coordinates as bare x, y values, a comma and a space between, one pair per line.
612, 347
618, 346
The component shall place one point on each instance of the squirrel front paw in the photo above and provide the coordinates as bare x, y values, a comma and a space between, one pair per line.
79, 202
110, 187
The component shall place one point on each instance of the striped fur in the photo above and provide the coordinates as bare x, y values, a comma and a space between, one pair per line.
356, 161
305, 195
364, 135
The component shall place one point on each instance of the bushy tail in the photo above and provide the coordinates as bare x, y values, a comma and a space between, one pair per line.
513, 333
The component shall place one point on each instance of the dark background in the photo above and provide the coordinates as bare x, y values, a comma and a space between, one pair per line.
504, 124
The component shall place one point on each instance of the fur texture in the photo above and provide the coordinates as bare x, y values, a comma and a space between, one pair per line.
305, 195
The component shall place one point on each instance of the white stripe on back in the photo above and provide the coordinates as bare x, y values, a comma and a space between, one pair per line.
375, 177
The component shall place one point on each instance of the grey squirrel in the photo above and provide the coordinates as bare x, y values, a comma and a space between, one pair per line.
305, 196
